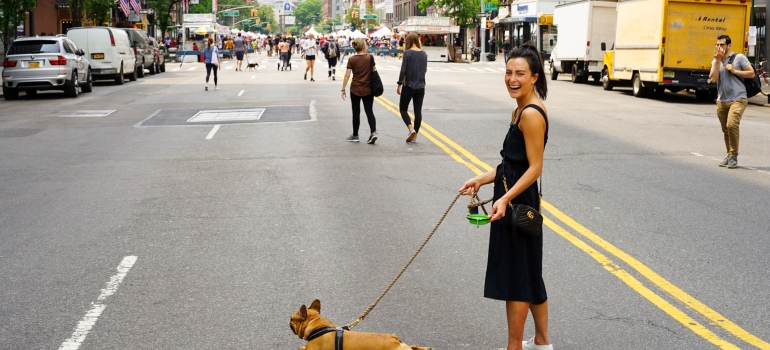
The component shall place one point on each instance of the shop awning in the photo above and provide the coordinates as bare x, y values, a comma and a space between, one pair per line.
518, 19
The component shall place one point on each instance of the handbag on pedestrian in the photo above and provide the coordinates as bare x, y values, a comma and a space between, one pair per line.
377, 87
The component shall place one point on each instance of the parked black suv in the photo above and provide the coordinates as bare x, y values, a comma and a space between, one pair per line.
145, 53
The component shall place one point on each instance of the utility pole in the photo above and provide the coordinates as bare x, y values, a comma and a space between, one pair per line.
482, 34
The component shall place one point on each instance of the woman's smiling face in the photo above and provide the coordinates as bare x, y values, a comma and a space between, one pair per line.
519, 79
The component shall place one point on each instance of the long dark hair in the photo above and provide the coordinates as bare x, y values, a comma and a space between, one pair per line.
529, 52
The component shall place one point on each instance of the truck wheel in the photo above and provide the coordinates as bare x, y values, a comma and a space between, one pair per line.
607, 84
702, 95
554, 73
575, 78
120, 79
638, 89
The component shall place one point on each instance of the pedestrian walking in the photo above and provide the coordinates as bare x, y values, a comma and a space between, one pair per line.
310, 48
331, 51
411, 84
728, 70
283, 48
211, 57
515, 261
506, 49
361, 66
240, 50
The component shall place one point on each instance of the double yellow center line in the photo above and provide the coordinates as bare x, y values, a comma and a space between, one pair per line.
464, 157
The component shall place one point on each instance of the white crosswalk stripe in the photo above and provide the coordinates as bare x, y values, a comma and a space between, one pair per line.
299, 64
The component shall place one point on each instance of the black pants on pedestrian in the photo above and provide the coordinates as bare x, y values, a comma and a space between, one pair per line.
209, 67
332, 65
409, 94
355, 100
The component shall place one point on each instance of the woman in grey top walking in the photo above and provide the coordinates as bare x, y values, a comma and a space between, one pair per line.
412, 80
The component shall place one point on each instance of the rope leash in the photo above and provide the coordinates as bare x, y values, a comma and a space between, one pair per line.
369, 309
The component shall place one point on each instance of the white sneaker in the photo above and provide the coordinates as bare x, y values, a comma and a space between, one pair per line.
530, 345
216, 87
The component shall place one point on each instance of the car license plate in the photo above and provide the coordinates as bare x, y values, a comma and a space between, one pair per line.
33, 65
97, 56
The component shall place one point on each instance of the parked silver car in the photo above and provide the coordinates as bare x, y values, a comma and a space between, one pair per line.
45, 63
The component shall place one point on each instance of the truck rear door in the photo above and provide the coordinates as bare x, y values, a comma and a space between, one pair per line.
692, 29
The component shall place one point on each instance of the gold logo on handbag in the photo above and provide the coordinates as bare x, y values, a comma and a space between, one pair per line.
530, 215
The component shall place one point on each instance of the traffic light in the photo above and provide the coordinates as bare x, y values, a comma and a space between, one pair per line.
254, 13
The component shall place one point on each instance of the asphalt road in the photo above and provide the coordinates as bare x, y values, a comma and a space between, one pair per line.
146, 229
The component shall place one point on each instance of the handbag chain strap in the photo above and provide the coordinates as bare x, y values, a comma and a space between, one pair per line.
539, 193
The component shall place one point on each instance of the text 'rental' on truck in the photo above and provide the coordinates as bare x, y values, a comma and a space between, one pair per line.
669, 44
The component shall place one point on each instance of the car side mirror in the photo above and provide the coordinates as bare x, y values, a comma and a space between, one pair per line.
604, 46
80, 52
135, 43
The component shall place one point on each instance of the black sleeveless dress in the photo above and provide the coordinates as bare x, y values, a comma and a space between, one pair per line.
515, 262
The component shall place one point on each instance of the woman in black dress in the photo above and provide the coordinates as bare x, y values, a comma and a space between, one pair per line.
515, 262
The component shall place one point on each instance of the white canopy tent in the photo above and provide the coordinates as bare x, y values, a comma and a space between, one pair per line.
384, 31
357, 34
344, 32
313, 31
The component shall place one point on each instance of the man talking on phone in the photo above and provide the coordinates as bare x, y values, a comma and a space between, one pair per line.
728, 70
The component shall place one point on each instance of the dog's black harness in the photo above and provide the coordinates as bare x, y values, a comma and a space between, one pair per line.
321, 331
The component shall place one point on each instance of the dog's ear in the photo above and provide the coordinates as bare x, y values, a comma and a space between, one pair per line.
303, 312
316, 305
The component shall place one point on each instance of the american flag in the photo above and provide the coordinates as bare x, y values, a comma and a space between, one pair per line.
136, 5
124, 6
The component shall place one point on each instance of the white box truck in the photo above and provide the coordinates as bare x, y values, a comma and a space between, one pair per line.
583, 26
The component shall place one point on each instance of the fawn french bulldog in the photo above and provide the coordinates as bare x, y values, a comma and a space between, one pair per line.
308, 323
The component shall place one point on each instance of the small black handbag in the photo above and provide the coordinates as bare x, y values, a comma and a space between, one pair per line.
377, 87
523, 217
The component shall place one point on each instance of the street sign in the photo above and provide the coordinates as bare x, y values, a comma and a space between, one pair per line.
246, 22
482, 14
370, 16
231, 13
490, 7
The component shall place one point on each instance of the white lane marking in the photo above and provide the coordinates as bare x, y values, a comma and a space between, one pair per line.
241, 93
491, 69
191, 68
501, 69
212, 132
312, 110
89, 320
476, 69
176, 69
229, 67
253, 76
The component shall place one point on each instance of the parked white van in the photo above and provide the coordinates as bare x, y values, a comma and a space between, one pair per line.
109, 51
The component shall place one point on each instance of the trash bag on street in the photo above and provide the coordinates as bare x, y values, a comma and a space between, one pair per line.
490, 57
476, 54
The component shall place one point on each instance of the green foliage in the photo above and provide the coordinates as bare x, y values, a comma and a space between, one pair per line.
361, 24
462, 11
162, 10
12, 14
307, 13
99, 11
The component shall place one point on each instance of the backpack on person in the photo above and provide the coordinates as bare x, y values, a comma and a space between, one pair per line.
332, 49
753, 86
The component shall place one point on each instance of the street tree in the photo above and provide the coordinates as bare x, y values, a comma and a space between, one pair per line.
361, 24
463, 12
99, 10
162, 9
12, 14
307, 13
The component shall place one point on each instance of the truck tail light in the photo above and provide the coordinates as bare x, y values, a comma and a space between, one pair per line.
8, 63
112, 40
588, 43
60, 61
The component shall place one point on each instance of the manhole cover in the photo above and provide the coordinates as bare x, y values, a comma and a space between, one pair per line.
83, 113
228, 115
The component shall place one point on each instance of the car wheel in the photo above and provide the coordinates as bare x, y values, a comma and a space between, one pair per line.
163, 67
89, 84
10, 93
74, 86
120, 79
153, 70
133, 75
140, 70
638, 89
